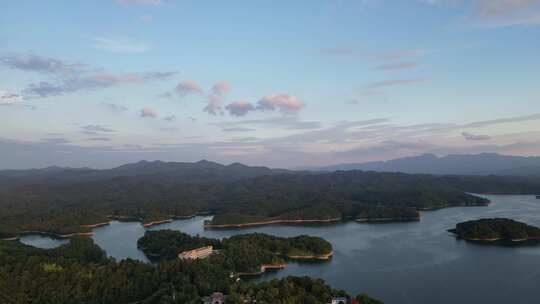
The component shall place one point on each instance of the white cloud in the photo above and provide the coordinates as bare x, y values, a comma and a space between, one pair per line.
214, 105
115, 107
282, 102
95, 129
169, 118
475, 137
8, 98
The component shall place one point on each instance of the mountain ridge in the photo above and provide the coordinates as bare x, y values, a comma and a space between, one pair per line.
452, 164
199, 171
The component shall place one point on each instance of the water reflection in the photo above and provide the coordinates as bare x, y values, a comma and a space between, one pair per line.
42, 241
119, 239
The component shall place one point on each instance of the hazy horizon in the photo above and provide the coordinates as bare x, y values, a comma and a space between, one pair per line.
284, 85
331, 165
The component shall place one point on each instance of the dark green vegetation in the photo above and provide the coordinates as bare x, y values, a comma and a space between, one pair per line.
62, 200
166, 244
79, 272
240, 253
497, 229
318, 213
302, 245
387, 214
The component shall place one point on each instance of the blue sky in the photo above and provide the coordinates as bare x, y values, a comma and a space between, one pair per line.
278, 83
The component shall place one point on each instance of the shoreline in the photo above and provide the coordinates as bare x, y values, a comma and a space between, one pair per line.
155, 223
492, 240
435, 208
387, 220
272, 222
92, 226
311, 257
229, 226
263, 269
16, 238
54, 235
97, 225
143, 223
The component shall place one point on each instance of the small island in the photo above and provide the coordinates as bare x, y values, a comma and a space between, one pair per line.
497, 230
249, 254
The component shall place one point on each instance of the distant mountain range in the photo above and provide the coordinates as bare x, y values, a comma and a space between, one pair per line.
178, 172
459, 164
207, 172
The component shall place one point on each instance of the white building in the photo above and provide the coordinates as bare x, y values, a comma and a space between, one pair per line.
199, 253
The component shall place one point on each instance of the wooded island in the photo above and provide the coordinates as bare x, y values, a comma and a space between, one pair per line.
497, 230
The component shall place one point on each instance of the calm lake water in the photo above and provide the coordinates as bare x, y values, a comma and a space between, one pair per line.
399, 263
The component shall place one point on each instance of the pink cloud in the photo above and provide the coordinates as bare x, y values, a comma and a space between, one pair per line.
221, 88
189, 87
396, 66
281, 102
239, 108
148, 113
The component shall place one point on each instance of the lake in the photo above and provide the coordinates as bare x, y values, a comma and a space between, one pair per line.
400, 263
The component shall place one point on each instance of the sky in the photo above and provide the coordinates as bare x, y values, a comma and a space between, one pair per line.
277, 83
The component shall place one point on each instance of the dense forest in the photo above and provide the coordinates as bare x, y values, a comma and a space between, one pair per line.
496, 229
80, 272
65, 201
166, 244
241, 253
385, 214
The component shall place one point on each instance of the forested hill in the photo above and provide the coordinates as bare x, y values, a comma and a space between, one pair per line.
201, 171
236, 194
